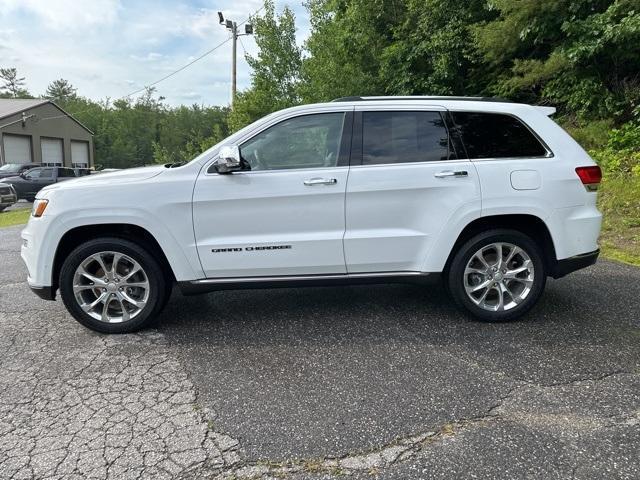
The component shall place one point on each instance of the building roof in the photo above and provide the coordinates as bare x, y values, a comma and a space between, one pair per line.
12, 106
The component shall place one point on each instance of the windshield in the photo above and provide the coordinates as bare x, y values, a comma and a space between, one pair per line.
10, 167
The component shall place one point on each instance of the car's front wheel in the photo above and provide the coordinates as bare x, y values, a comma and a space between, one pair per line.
111, 285
498, 275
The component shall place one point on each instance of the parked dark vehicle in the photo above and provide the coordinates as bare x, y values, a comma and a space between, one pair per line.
29, 183
13, 169
7, 196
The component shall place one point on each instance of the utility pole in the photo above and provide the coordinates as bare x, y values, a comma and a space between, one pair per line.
233, 28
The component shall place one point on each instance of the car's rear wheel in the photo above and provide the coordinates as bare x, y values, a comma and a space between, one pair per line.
111, 285
497, 275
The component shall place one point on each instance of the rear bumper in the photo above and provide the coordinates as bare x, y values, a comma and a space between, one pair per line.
567, 265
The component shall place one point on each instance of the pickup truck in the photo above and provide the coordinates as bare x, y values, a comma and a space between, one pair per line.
15, 169
29, 183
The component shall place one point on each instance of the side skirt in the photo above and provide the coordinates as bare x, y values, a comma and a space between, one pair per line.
206, 285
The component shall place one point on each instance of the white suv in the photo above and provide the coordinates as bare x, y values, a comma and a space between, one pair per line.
493, 195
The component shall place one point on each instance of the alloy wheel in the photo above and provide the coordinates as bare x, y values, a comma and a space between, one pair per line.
111, 287
499, 276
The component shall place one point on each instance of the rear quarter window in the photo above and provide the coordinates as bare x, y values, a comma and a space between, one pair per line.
495, 135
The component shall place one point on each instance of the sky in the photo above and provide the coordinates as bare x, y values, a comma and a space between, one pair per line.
110, 48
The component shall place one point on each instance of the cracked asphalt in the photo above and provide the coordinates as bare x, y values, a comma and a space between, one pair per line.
370, 382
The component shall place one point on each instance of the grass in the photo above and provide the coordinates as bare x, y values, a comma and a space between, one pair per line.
15, 217
619, 202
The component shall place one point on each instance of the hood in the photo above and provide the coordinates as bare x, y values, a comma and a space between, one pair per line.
11, 179
128, 175
7, 174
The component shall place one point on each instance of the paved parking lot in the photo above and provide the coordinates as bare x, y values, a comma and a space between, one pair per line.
371, 382
19, 205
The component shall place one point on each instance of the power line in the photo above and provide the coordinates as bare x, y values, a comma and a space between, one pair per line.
242, 45
208, 52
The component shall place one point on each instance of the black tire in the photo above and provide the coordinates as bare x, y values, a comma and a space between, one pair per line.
30, 199
158, 284
455, 277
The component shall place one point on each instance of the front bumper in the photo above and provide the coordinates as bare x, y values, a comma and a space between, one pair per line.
7, 200
45, 293
567, 265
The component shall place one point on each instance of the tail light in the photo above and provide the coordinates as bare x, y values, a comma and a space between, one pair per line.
590, 177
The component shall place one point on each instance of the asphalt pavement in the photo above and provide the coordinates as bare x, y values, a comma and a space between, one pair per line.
385, 381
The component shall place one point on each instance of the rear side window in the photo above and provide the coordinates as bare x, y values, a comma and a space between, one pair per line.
66, 172
494, 135
401, 137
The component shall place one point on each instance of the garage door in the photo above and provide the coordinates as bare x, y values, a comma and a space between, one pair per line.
80, 154
17, 148
51, 151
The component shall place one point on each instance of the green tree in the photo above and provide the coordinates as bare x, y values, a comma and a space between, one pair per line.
581, 54
346, 45
276, 69
12, 86
60, 90
433, 50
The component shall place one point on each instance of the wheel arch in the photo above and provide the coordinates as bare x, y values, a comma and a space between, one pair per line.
126, 231
531, 225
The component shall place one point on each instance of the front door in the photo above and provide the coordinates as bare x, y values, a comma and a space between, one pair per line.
284, 214
405, 184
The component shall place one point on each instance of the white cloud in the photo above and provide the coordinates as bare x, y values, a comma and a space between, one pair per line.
122, 46
66, 14
149, 57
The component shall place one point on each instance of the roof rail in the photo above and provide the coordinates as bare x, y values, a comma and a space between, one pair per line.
418, 97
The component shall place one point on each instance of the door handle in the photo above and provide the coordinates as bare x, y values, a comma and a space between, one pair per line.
450, 173
320, 181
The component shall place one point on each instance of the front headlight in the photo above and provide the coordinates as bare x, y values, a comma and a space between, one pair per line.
39, 206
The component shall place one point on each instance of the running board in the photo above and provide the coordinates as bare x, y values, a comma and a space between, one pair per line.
206, 285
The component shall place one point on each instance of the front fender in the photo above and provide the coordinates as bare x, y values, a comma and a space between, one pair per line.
43, 235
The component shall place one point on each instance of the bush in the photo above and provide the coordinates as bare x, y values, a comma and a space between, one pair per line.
621, 155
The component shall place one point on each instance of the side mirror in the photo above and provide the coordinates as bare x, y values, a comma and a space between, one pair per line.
228, 159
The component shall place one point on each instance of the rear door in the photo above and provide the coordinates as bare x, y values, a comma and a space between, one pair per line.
406, 182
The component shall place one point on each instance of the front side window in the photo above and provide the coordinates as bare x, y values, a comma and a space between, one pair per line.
46, 173
402, 137
33, 174
309, 141
495, 135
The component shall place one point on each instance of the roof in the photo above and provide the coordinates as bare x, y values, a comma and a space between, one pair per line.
12, 106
